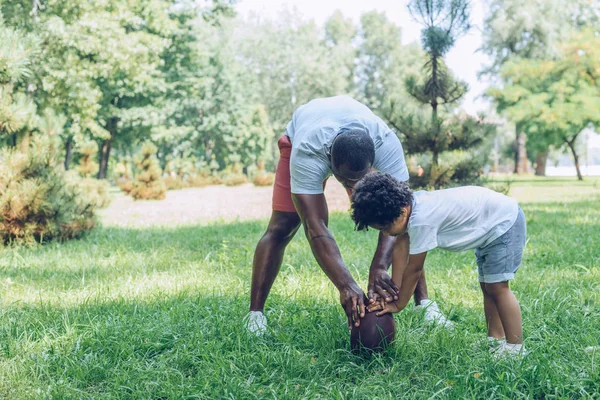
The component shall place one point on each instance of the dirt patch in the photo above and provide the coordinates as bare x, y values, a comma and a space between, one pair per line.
203, 205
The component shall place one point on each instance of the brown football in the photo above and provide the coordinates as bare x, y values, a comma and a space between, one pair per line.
374, 333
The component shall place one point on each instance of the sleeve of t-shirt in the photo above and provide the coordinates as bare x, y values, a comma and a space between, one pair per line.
307, 173
389, 157
422, 238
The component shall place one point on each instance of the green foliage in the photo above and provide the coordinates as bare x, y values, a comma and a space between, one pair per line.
383, 63
38, 200
432, 133
148, 184
554, 100
87, 163
17, 51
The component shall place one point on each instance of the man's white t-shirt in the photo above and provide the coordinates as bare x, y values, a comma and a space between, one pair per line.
458, 219
313, 128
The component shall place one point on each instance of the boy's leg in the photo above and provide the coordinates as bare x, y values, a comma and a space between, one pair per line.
492, 318
508, 310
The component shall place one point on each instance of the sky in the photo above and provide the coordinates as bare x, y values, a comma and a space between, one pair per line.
464, 59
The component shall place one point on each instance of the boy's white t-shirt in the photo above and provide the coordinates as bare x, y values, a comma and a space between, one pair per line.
459, 219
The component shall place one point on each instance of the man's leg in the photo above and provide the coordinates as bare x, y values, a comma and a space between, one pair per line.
269, 255
269, 251
432, 311
421, 290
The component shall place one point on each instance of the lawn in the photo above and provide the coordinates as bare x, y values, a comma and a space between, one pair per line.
155, 313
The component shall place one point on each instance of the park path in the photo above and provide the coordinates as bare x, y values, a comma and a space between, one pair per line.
204, 205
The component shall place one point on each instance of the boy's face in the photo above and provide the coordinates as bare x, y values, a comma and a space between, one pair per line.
396, 228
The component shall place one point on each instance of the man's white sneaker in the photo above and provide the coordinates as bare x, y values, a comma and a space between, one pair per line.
433, 314
256, 323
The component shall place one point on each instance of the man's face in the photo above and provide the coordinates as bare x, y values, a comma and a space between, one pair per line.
347, 177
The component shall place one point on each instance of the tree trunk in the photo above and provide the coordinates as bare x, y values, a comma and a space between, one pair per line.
540, 164
522, 167
68, 152
111, 126
516, 147
571, 145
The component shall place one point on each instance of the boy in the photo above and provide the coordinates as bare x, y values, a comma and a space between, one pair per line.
455, 219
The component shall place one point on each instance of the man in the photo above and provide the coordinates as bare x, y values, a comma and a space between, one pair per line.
339, 136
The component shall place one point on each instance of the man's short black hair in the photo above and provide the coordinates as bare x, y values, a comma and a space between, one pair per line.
378, 199
354, 147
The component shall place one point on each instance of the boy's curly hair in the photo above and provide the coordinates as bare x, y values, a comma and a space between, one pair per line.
377, 199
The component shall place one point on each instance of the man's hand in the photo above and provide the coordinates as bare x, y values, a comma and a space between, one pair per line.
381, 286
352, 299
384, 307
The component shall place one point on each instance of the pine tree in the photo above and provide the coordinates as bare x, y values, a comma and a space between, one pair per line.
88, 166
430, 136
39, 201
148, 184
97, 190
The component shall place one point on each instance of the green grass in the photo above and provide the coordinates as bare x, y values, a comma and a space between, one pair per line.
156, 314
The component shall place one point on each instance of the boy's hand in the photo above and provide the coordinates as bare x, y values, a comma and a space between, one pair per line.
383, 307
381, 286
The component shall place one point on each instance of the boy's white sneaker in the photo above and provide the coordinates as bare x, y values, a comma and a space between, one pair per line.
509, 350
256, 323
433, 314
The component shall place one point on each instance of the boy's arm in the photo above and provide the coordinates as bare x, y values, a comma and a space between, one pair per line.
406, 271
409, 279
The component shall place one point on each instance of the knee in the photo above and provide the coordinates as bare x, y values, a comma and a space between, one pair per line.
495, 289
283, 230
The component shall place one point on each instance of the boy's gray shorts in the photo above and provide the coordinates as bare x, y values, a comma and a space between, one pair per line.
499, 260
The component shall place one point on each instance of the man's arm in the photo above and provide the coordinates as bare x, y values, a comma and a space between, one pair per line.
380, 283
313, 212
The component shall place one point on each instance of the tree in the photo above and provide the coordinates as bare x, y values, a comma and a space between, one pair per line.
148, 184
435, 132
383, 63
38, 200
532, 30
339, 36
17, 110
291, 68
555, 100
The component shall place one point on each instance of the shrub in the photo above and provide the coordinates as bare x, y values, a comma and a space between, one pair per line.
38, 200
87, 164
235, 179
174, 182
148, 185
262, 177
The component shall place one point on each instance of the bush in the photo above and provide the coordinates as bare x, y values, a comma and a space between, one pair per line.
148, 185
125, 185
235, 179
87, 164
97, 191
174, 183
39, 201
264, 179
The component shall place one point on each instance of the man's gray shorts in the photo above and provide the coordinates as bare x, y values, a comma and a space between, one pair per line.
499, 260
